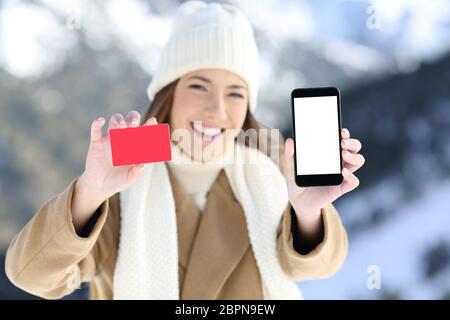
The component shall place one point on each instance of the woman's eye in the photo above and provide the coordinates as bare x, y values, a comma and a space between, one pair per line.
197, 87
237, 95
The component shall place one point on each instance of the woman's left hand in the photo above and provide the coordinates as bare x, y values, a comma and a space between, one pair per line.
307, 202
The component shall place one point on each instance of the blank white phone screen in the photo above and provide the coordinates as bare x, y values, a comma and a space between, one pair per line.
317, 135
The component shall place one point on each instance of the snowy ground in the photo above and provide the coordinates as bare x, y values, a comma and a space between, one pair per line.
396, 247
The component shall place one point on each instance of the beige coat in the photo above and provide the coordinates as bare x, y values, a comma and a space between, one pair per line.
216, 260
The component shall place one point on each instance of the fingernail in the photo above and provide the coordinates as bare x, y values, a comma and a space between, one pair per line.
99, 119
346, 143
345, 172
135, 123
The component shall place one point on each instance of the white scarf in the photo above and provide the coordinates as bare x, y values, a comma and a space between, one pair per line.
147, 260
195, 177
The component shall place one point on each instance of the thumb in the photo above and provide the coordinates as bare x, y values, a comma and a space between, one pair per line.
289, 171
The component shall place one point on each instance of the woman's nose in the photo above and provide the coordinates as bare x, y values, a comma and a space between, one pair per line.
217, 107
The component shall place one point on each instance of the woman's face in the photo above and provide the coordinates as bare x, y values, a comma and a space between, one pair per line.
210, 105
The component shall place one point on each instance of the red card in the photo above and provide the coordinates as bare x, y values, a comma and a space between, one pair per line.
140, 145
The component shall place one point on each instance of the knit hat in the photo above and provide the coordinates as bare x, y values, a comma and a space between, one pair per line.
208, 36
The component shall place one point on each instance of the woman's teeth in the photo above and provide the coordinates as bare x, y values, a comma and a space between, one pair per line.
210, 132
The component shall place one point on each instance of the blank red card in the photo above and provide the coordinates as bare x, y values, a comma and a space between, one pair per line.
140, 145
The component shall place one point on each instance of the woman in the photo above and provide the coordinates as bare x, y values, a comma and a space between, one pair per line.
206, 225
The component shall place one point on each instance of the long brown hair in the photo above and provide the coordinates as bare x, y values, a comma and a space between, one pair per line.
161, 107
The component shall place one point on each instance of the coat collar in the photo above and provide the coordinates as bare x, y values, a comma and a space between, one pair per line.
188, 218
218, 238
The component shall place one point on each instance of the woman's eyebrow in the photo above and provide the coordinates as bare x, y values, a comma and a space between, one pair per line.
206, 80
200, 78
236, 86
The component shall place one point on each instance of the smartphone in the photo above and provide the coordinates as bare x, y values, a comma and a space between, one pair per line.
316, 114
140, 144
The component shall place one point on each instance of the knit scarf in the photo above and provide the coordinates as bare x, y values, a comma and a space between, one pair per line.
147, 259
196, 177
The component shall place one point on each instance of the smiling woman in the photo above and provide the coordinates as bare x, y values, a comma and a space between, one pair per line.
190, 103
212, 105
195, 227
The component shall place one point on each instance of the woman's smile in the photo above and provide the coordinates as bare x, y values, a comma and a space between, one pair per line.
206, 132
211, 104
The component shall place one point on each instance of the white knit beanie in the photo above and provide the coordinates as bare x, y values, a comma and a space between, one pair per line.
208, 36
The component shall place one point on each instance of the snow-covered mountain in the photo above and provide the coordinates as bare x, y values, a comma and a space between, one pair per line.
398, 247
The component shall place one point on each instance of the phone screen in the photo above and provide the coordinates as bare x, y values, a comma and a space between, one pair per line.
317, 135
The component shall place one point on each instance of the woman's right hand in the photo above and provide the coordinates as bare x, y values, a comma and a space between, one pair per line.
99, 172
100, 179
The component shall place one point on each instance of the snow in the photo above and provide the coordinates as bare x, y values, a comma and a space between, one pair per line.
289, 20
410, 31
347, 54
397, 247
144, 36
32, 40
